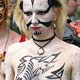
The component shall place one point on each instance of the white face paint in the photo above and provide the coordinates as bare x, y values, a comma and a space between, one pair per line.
38, 14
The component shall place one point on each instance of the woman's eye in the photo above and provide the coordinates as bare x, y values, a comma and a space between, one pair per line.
41, 12
28, 13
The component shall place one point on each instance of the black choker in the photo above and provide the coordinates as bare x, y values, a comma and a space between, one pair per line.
41, 50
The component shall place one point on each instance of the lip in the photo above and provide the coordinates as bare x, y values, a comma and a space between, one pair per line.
35, 28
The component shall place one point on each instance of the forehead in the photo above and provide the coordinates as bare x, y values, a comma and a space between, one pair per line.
35, 4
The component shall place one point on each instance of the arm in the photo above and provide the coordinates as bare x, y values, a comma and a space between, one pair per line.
2, 75
8, 67
76, 66
9, 72
10, 61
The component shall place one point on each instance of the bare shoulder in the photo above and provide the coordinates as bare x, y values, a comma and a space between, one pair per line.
17, 47
73, 50
13, 50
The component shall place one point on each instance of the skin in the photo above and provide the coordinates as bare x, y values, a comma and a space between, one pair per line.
6, 35
38, 18
78, 2
72, 7
2, 12
61, 61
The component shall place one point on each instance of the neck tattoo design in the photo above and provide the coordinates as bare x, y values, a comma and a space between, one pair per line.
41, 50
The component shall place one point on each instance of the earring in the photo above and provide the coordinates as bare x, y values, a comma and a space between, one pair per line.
54, 26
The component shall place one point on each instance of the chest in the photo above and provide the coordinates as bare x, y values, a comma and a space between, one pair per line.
51, 66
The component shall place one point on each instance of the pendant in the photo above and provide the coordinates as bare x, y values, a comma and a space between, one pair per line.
40, 51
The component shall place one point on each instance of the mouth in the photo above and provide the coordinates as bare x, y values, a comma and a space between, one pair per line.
35, 28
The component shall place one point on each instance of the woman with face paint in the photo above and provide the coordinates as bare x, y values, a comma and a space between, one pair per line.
7, 37
45, 56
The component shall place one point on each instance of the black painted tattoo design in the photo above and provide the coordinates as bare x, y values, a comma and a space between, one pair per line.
27, 69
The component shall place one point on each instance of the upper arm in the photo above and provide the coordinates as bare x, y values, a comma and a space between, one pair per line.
1, 76
8, 65
9, 72
76, 66
9, 58
8, 68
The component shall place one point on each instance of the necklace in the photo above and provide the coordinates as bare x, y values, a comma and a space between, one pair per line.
41, 50
2, 55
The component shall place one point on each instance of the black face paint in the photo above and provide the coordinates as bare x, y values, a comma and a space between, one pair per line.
37, 33
29, 24
32, 1
51, 3
54, 3
21, 5
47, 24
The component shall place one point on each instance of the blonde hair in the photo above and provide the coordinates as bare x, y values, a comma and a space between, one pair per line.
19, 20
60, 22
12, 3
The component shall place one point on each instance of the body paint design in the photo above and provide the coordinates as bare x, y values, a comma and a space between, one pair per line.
54, 3
47, 24
57, 74
27, 70
30, 13
32, 1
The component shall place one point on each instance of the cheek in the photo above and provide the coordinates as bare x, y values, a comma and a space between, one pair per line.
27, 19
47, 17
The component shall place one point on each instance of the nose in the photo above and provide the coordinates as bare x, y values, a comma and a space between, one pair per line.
34, 18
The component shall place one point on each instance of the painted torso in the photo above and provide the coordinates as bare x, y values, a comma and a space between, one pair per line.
55, 64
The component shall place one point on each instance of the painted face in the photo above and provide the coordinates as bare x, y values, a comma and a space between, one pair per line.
72, 7
38, 15
2, 10
78, 2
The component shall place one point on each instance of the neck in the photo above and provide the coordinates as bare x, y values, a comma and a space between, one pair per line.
44, 40
42, 43
45, 35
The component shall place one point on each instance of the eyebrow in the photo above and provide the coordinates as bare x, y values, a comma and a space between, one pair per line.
47, 10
